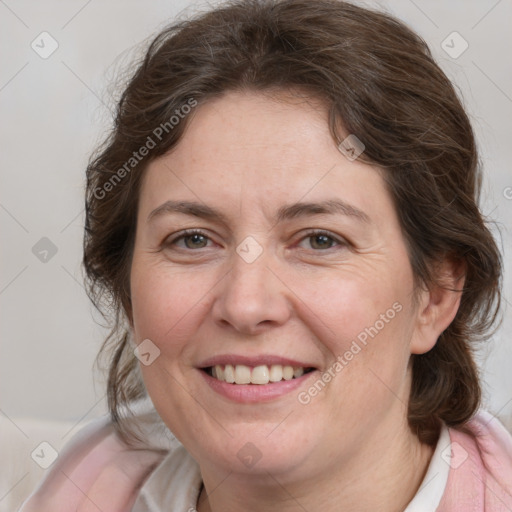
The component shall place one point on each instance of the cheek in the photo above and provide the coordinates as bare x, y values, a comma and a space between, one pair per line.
350, 304
365, 322
165, 304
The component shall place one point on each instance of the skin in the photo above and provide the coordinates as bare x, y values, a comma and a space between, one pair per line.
247, 154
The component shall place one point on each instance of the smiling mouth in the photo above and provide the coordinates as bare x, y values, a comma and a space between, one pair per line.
260, 375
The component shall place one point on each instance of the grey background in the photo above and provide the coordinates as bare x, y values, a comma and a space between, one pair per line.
55, 110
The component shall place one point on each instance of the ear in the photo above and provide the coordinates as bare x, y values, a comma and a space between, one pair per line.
438, 305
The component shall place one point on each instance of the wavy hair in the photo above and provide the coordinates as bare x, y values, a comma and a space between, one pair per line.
378, 81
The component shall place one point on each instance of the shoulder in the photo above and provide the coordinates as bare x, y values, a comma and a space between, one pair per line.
480, 459
98, 469
486, 438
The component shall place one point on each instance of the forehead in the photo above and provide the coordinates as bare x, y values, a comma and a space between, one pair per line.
249, 131
252, 148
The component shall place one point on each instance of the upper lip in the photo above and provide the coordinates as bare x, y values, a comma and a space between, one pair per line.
253, 361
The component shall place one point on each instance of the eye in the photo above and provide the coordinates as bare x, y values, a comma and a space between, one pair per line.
190, 239
320, 240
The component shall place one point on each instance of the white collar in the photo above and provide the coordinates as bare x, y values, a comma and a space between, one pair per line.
432, 488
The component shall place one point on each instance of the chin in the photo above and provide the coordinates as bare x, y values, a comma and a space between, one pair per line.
258, 455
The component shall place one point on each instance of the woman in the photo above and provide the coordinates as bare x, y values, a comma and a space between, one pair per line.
284, 222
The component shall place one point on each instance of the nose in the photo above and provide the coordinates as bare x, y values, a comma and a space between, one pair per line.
251, 297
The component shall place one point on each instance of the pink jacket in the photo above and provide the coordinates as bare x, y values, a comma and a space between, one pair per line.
96, 471
483, 481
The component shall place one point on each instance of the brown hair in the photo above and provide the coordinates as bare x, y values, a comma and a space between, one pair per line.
379, 81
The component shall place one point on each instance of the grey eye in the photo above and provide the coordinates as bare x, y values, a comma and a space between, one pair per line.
196, 241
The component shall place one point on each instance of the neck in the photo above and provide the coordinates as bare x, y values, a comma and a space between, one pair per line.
383, 476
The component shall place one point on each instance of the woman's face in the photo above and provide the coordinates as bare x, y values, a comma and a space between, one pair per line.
261, 246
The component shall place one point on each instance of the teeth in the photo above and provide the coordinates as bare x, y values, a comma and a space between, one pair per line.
263, 374
242, 374
260, 375
229, 374
218, 372
287, 372
276, 373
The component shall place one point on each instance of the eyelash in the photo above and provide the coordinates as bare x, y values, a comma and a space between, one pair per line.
309, 234
322, 232
186, 234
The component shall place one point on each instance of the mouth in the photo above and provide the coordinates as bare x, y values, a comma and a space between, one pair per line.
240, 374
251, 379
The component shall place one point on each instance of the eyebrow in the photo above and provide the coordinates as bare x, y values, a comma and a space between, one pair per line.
188, 208
328, 207
293, 211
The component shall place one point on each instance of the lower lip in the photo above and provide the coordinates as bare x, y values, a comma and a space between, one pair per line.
252, 393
